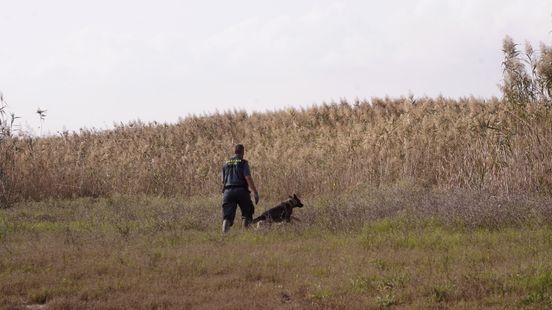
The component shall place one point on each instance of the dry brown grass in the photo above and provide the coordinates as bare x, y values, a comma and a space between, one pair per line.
392, 247
467, 143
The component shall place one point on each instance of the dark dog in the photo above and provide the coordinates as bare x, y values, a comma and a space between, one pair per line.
281, 212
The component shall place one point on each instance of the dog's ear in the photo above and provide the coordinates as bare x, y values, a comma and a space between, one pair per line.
290, 197
295, 196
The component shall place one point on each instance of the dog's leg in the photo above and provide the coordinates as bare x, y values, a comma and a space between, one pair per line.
263, 224
295, 219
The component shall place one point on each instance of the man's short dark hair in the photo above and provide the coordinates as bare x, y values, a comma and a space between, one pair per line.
238, 149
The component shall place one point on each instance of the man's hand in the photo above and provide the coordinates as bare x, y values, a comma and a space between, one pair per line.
256, 194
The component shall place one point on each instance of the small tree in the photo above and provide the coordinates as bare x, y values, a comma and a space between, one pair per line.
5, 132
528, 77
7, 121
544, 71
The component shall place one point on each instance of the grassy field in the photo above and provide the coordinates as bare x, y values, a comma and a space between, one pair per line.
402, 246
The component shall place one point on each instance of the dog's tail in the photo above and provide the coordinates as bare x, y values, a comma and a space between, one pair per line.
258, 219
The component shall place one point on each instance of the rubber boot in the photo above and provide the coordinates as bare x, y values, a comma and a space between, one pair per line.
225, 226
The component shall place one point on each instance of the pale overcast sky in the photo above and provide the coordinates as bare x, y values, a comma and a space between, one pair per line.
92, 63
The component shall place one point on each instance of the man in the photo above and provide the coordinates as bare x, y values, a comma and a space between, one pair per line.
237, 180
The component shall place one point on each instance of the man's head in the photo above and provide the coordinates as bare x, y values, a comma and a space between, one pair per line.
239, 150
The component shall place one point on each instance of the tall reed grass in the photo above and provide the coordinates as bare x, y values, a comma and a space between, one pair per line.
433, 142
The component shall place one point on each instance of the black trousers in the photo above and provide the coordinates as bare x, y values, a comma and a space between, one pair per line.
234, 197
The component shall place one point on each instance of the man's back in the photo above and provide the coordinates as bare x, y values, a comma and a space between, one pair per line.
234, 172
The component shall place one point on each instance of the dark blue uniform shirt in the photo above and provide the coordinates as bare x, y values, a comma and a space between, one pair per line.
234, 172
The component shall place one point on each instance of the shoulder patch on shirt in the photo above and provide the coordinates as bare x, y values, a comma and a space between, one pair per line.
233, 162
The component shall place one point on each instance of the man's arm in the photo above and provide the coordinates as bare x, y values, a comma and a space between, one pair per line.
251, 184
248, 178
